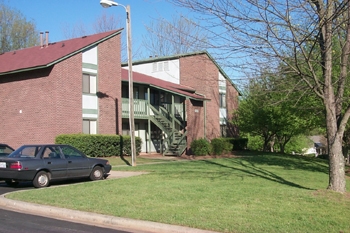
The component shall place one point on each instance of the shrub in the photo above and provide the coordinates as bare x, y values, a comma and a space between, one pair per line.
126, 145
220, 146
200, 147
96, 145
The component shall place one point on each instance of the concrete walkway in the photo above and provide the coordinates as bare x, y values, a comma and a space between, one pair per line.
131, 225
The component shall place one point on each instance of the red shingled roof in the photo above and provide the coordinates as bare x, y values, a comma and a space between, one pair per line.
172, 87
39, 57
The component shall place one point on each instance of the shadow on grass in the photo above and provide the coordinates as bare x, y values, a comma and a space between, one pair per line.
286, 161
253, 170
125, 161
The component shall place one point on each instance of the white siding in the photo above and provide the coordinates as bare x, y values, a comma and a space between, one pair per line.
164, 70
90, 56
222, 83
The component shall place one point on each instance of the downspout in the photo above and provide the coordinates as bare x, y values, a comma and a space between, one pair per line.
205, 119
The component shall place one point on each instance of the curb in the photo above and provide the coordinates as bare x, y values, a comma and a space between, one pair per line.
93, 218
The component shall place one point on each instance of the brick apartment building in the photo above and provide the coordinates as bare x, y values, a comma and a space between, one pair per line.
79, 86
204, 118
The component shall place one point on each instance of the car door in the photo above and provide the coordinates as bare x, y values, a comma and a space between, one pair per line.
78, 165
55, 162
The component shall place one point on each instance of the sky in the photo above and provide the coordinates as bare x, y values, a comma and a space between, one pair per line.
59, 16
56, 16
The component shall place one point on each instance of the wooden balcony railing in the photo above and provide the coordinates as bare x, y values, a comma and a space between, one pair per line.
141, 109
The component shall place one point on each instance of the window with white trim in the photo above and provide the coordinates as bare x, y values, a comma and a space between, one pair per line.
89, 126
89, 84
222, 99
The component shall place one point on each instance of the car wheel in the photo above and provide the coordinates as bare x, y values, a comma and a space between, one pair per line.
11, 183
41, 180
97, 173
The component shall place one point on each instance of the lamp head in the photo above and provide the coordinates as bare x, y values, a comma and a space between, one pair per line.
108, 3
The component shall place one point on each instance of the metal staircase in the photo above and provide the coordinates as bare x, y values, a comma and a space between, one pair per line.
175, 142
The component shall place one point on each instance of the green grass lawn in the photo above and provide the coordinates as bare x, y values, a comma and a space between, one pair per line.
261, 193
126, 160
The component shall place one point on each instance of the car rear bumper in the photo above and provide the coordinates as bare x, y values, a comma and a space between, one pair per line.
17, 174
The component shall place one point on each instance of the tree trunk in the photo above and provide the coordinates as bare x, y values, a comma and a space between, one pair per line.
337, 180
282, 146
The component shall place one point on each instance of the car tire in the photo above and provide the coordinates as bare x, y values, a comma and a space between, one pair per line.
41, 180
97, 173
11, 183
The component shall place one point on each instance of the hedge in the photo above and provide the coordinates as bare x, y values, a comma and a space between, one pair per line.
97, 145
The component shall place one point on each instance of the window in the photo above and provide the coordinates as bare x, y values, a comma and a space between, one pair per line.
125, 91
223, 129
51, 152
166, 66
89, 84
89, 126
160, 66
154, 65
70, 152
222, 100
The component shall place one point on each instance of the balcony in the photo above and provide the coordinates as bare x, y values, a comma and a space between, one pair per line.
142, 110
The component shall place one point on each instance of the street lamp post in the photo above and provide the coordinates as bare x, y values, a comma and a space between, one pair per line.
109, 3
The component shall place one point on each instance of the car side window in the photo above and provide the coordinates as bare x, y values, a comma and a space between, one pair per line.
26, 152
70, 152
51, 152
29, 152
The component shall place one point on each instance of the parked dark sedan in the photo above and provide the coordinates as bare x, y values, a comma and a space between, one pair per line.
5, 150
43, 163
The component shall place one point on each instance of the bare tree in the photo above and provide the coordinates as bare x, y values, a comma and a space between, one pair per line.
300, 34
178, 36
15, 31
103, 23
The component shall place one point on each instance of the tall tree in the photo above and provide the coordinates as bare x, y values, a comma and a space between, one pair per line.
268, 33
16, 32
178, 36
273, 115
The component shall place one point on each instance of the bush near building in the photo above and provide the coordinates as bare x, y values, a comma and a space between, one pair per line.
96, 145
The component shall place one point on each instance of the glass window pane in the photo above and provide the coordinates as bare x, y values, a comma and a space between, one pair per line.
86, 83
93, 127
86, 126
93, 84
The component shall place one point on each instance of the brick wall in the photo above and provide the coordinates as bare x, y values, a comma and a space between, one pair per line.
232, 105
231, 99
201, 73
109, 84
38, 105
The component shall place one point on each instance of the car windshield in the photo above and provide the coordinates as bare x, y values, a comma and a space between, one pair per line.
25, 152
5, 150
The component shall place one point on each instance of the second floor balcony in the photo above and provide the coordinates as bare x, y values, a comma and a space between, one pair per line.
143, 109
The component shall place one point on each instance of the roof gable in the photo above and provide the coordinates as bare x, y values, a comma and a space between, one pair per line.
43, 56
178, 56
169, 86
